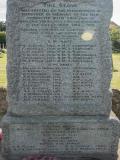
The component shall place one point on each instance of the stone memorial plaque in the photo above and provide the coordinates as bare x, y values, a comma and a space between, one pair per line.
59, 57
59, 73
62, 136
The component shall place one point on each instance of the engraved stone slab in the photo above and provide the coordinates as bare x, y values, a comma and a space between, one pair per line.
59, 57
64, 136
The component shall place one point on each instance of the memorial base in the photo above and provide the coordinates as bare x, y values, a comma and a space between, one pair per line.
66, 137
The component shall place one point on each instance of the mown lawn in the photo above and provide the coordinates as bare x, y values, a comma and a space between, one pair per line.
3, 61
116, 74
114, 84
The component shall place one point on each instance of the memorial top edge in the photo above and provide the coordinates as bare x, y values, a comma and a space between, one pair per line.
31, 3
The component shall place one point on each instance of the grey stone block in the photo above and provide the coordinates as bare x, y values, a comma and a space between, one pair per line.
59, 73
59, 57
66, 137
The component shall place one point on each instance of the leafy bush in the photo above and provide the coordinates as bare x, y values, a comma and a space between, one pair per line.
2, 26
115, 38
4, 51
116, 46
2, 37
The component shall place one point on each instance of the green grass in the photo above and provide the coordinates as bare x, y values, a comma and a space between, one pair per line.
116, 75
114, 84
3, 79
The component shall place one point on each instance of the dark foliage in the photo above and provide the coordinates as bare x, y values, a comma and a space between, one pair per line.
2, 26
2, 37
116, 46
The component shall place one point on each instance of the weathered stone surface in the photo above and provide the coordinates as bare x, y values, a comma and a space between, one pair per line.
61, 136
59, 73
59, 57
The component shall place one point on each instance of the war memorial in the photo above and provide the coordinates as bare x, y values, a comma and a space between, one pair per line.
59, 72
